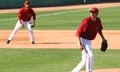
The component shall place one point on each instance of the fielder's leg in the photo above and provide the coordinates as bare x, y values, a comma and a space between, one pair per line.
84, 55
17, 27
82, 63
27, 23
90, 57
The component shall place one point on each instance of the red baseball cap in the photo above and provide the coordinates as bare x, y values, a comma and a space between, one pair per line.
27, 2
94, 10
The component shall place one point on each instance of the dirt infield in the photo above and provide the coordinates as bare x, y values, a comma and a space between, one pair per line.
55, 39
107, 70
59, 38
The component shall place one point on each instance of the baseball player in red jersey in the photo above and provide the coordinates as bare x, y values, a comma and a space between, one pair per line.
87, 31
24, 17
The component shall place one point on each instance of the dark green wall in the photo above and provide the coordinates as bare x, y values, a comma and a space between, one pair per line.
41, 3
92, 1
62, 2
11, 3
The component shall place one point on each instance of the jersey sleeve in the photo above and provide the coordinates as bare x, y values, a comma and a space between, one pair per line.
82, 28
19, 16
33, 14
100, 27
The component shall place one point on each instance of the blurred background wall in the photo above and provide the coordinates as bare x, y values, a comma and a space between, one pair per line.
7, 4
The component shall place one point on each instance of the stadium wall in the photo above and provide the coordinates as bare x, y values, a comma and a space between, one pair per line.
6, 4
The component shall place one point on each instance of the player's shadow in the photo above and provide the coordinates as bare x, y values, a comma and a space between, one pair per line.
48, 43
51, 43
57, 43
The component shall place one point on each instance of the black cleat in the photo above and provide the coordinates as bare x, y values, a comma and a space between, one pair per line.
8, 41
33, 42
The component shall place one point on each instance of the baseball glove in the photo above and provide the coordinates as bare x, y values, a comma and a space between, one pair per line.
104, 45
32, 25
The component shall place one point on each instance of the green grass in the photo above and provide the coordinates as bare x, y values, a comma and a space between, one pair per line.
65, 21
52, 60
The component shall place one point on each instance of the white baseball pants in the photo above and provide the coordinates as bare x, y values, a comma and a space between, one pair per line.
18, 26
87, 57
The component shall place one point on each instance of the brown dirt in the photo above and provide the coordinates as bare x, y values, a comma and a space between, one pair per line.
107, 70
55, 39
59, 38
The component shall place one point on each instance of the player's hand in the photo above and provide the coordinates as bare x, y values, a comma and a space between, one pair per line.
22, 25
81, 47
32, 24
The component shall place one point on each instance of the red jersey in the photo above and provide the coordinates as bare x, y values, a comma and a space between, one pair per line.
89, 28
26, 14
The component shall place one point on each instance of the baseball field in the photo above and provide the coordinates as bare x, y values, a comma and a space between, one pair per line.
56, 49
